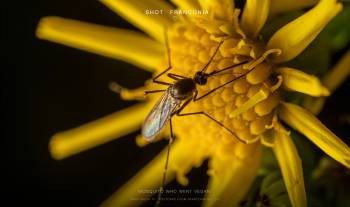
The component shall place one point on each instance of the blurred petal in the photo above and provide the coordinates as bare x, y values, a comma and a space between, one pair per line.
185, 4
136, 190
338, 74
314, 104
294, 37
122, 44
135, 11
220, 9
307, 124
232, 176
332, 80
280, 201
296, 80
73, 141
280, 6
254, 16
291, 168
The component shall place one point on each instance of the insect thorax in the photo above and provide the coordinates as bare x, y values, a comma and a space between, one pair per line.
183, 89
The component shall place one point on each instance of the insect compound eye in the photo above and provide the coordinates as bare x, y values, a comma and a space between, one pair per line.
200, 78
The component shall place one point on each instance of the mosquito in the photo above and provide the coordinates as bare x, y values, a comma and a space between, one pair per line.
176, 97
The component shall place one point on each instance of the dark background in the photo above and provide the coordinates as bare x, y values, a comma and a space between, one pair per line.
47, 87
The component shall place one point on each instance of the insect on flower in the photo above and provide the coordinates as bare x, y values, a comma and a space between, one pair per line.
184, 89
253, 107
176, 97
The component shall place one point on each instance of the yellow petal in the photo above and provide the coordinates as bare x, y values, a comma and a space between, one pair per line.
73, 141
130, 94
121, 44
254, 16
186, 5
296, 80
280, 6
139, 188
290, 164
232, 176
294, 37
138, 13
332, 80
307, 124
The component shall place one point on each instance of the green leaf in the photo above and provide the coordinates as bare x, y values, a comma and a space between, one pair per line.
338, 30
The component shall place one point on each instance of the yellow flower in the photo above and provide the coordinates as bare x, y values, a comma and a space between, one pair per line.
251, 107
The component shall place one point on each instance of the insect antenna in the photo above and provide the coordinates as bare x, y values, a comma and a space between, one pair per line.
212, 57
215, 72
228, 73
228, 82
155, 79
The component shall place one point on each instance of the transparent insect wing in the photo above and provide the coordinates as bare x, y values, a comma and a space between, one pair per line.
159, 116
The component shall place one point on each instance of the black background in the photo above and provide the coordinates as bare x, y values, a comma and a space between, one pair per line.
48, 88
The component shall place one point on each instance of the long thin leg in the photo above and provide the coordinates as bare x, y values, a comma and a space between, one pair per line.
219, 123
160, 74
169, 60
226, 68
212, 57
175, 76
167, 45
183, 106
166, 164
213, 90
154, 91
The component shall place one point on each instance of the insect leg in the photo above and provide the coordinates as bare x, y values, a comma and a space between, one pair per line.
166, 164
228, 82
175, 76
212, 57
182, 107
219, 123
166, 37
213, 90
160, 74
226, 68
154, 91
